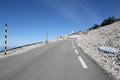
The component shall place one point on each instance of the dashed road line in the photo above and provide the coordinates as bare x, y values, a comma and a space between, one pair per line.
82, 62
74, 47
72, 43
79, 57
76, 51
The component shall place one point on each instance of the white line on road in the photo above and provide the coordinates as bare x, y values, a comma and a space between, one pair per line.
82, 62
74, 47
76, 51
72, 43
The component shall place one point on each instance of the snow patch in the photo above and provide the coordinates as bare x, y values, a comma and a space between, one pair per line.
75, 36
109, 49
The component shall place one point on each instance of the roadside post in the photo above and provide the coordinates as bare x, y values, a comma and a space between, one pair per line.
5, 40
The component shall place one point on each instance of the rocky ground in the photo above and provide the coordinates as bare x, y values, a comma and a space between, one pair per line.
108, 36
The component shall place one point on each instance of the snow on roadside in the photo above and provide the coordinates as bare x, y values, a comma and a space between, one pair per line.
104, 36
109, 49
75, 36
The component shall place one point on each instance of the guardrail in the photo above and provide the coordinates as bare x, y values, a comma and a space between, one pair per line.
21, 46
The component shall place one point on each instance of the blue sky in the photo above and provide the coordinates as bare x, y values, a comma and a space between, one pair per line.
29, 20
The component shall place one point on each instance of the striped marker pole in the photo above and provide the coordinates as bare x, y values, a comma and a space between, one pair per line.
5, 44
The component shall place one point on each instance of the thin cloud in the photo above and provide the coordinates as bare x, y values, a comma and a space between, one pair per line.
65, 8
92, 15
71, 9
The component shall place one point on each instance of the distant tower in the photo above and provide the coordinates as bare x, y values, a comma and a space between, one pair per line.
46, 38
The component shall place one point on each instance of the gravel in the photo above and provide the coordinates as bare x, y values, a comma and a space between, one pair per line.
108, 36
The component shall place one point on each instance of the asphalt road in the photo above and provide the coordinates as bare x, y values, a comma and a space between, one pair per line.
61, 60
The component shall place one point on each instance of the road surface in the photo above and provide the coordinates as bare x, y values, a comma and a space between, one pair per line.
61, 60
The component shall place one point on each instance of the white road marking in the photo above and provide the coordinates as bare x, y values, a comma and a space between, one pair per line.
82, 62
76, 51
74, 47
72, 43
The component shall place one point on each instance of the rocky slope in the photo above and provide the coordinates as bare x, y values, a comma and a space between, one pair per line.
108, 36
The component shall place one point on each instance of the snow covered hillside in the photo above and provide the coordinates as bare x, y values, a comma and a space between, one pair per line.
109, 36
